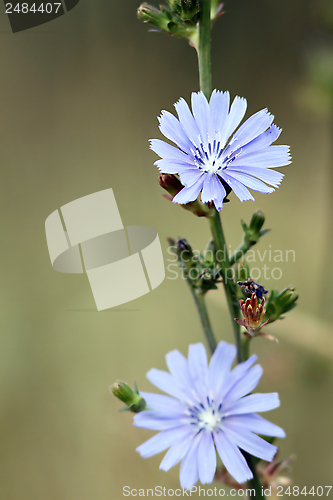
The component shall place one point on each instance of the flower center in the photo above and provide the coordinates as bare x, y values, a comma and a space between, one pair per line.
209, 419
208, 156
206, 417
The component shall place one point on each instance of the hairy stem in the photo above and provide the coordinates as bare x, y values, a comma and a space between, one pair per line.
227, 277
205, 75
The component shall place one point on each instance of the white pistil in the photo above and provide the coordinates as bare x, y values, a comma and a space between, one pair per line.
209, 418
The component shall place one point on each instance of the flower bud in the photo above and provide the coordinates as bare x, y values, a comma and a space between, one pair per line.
280, 303
257, 221
253, 232
172, 184
132, 399
187, 10
157, 17
179, 18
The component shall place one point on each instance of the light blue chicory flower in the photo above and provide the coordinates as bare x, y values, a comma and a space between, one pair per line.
205, 159
209, 408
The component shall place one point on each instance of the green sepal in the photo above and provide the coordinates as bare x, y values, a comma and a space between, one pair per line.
279, 303
175, 19
132, 399
253, 232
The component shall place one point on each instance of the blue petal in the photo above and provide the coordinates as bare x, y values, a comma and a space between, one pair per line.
198, 368
271, 157
190, 176
263, 140
154, 421
172, 129
218, 204
252, 404
219, 193
219, 106
201, 112
258, 424
249, 442
238, 188
187, 121
232, 458
178, 450
237, 375
206, 458
166, 151
213, 190
272, 177
189, 470
171, 166
178, 367
164, 381
163, 404
252, 128
161, 441
208, 190
189, 194
235, 116
219, 366
250, 182
244, 386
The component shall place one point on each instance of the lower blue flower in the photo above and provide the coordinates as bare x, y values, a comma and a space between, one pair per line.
208, 410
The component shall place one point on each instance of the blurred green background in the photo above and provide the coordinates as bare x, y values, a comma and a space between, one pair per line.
79, 101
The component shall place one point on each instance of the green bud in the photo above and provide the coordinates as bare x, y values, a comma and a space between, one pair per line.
253, 232
257, 221
280, 303
172, 185
179, 18
158, 17
132, 399
186, 10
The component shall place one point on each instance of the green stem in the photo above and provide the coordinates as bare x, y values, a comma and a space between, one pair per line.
254, 483
205, 74
240, 252
215, 221
246, 347
200, 303
227, 278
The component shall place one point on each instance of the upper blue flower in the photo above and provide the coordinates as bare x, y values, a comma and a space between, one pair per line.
205, 157
209, 408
